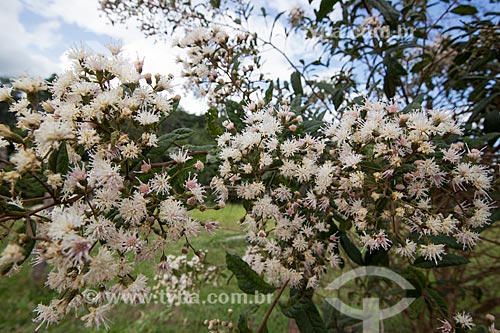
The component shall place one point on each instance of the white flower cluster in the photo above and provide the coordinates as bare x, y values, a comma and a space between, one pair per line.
389, 173
108, 206
284, 178
179, 278
464, 322
395, 172
217, 64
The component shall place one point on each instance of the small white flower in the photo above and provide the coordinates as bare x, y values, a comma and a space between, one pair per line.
464, 319
433, 252
408, 250
181, 156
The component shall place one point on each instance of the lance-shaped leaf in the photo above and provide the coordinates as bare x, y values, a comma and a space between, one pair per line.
296, 83
248, 280
302, 309
59, 160
350, 249
449, 259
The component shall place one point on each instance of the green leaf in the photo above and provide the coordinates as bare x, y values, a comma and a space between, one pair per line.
269, 92
62, 159
350, 249
416, 308
244, 317
58, 160
182, 133
304, 312
312, 126
8, 134
481, 105
449, 241
377, 258
482, 140
167, 140
393, 71
420, 65
394, 68
492, 123
371, 166
389, 86
296, 105
27, 245
436, 299
29, 187
389, 13
418, 280
461, 58
243, 325
449, 259
415, 104
215, 3
296, 83
248, 280
235, 113
325, 8
464, 10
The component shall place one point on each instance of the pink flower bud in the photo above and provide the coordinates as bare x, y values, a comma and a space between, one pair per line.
143, 188
228, 125
145, 167
199, 165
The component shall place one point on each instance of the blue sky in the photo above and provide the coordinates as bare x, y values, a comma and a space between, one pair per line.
36, 34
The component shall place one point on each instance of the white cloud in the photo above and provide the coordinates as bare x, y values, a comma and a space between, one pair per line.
17, 54
86, 15
46, 35
23, 50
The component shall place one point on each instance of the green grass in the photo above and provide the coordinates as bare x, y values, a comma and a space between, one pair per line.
20, 294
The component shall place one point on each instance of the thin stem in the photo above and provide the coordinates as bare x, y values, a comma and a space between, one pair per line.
6, 162
273, 304
37, 199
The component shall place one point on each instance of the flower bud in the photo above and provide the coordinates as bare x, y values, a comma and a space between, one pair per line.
47, 106
199, 165
148, 78
403, 118
145, 167
138, 65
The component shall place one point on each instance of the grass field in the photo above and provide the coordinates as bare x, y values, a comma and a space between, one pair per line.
19, 295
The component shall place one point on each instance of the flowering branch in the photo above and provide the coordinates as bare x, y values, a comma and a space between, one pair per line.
262, 325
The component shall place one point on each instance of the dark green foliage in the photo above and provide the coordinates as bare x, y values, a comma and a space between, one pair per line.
449, 259
350, 249
248, 280
197, 124
302, 309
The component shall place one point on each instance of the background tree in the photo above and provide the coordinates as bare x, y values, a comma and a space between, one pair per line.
432, 52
